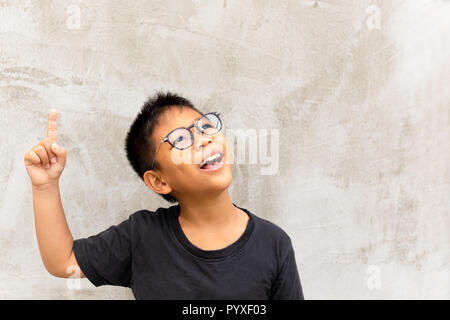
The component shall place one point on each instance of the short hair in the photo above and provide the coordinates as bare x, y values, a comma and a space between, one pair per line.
139, 146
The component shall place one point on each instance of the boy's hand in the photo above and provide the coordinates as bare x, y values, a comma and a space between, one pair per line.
45, 162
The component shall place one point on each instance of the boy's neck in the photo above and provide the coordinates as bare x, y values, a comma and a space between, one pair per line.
214, 212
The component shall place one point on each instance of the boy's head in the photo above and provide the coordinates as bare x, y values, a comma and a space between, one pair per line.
176, 173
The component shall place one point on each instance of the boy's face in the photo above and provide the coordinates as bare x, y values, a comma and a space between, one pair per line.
180, 170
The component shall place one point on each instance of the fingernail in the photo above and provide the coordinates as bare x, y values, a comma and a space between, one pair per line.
53, 110
55, 146
53, 160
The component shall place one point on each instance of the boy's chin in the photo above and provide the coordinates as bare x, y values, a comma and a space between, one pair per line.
217, 180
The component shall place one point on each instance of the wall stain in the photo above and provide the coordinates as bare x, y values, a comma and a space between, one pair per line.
31, 75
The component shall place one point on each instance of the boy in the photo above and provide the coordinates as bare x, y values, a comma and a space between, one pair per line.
204, 247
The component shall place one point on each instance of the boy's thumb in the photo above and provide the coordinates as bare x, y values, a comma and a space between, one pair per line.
60, 153
55, 148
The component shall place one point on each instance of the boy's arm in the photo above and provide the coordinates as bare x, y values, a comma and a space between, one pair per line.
106, 257
45, 163
53, 234
287, 285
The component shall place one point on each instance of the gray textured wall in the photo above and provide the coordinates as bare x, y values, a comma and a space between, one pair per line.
358, 89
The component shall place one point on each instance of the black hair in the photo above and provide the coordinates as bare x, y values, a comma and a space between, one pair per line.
139, 146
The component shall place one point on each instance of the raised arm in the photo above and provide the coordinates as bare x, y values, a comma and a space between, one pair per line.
45, 163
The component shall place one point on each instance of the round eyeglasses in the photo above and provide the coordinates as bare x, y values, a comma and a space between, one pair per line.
183, 138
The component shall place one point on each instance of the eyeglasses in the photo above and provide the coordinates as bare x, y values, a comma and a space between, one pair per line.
183, 138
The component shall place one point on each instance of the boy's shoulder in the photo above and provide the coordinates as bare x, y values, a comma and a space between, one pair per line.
150, 215
272, 230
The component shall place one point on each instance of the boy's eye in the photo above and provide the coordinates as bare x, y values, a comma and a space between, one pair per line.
179, 139
206, 126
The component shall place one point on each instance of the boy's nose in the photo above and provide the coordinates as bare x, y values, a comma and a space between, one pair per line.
204, 140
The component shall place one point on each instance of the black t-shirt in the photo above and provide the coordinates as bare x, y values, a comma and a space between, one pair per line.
150, 253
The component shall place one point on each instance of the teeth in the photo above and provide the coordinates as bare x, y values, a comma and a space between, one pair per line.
212, 158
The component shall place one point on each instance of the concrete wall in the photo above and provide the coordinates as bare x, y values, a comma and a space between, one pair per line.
358, 91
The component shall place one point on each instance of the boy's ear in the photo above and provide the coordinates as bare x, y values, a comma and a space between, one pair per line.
155, 182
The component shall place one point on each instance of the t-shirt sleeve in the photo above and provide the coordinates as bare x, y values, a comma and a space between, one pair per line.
105, 258
287, 285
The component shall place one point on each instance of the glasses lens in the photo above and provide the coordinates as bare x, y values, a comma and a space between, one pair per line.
209, 123
180, 139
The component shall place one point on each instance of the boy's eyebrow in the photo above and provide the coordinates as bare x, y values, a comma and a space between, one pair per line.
191, 123
195, 120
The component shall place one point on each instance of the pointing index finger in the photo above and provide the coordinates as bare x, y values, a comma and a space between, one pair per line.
51, 128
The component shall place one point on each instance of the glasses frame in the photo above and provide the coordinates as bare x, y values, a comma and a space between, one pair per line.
194, 125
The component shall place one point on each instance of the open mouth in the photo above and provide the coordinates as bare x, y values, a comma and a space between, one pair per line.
213, 162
